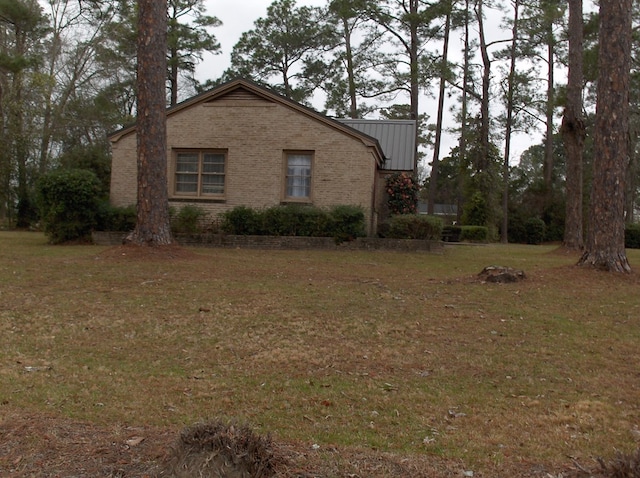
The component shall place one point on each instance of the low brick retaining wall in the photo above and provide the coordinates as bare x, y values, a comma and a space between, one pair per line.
283, 242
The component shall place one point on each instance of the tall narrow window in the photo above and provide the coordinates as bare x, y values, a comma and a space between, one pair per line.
200, 173
298, 178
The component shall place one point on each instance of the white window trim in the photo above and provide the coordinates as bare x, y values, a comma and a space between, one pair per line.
285, 189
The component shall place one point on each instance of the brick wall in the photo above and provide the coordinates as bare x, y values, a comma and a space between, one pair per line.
229, 241
255, 133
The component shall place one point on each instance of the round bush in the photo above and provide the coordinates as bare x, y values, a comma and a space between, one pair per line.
68, 201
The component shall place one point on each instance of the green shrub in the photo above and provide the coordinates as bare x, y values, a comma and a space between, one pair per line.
474, 234
535, 229
476, 211
278, 221
632, 236
113, 218
68, 204
342, 222
187, 220
415, 226
517, 231
242, 220
313, 222
346, 223
294, 220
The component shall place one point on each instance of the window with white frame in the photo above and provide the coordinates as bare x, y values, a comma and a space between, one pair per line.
298, 176
200, 173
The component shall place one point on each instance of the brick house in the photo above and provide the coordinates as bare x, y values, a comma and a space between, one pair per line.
242, 144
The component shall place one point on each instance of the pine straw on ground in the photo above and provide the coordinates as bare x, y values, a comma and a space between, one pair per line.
43, 446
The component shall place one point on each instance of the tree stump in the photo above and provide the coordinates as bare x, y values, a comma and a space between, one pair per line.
501, 274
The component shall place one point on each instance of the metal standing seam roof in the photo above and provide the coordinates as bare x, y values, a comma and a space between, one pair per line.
397, 139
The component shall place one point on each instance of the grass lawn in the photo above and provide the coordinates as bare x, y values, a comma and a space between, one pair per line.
349, 360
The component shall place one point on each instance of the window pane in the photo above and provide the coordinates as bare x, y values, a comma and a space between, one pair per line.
186, 183
212, 173
187, 173
187, 163
213, 184
299, 175
213, 163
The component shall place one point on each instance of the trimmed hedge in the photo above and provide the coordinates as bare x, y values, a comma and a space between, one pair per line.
465, 233
187, 220
342, 222
414, 226
474, 234
117, 219
632, 236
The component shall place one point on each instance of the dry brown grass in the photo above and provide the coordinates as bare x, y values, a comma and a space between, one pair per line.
356, 363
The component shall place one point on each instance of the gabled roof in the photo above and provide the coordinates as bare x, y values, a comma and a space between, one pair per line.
241, 84
397, 138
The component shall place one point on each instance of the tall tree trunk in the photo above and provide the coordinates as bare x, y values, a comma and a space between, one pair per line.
152, 226
353, 102
548, 141
573, 131
173, 77
20, 147
415, 76
435, 163
5, 166
463, 113
504, 237
605, 237
483, 160
632, 181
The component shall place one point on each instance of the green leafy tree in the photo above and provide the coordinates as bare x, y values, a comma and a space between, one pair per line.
543, 23
410, 26
358, 55
285, 50
187, 39
22, 27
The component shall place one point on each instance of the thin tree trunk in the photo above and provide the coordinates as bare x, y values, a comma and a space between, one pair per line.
19, 140
415, 81
483, 161
435, 163
152, 226
173, 78
504, 237
573, 131
353, 102
632, 182
605, 236
463, 124
548, 142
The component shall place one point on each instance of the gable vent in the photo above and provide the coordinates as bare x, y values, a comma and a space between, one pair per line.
240, 95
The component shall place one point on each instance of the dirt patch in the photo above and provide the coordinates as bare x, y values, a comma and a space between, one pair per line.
133, 252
